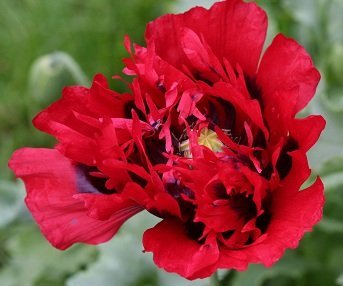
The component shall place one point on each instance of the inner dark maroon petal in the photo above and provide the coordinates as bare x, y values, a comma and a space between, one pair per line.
263, 220
227, 234
220, 191
284, 163
267, 171
179, 192
195, 230
205, 78
260, 140
243, 205
155, 149
219, 112
253, 89
129, 106
137, 179
89, 184
176, 189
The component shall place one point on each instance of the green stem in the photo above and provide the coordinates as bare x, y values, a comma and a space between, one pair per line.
215, 279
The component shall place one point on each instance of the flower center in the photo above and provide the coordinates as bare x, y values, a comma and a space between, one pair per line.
207, 138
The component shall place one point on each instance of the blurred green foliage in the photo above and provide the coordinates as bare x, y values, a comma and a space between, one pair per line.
92, 32
42, 40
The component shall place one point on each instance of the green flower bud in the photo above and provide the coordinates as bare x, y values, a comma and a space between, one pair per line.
50, 73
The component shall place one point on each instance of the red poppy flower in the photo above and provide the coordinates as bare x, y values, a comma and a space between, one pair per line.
207, 140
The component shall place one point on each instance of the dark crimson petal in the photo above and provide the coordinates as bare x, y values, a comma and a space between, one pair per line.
152, 199
175, 251
72, 143
155, 76
249, 107
201, 57
102, 207
306, 131
74, 119
220, 218
233, 29
291, 216
260, 186
50, 180
279, 113
104, 102
286, 66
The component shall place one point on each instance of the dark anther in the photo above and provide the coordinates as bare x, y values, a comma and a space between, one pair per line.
160, 86
157, 124
176, 189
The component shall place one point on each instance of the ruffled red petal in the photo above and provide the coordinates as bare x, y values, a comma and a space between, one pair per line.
52, 198
74, 119
287, 67
234, 30
175, 251
291, 216
306, 131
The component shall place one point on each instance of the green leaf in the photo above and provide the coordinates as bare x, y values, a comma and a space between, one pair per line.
119, 254
333, 181
122, 262
33, 259
329, 146
289, 266
11, 201
336, 21
332, 166
331, 225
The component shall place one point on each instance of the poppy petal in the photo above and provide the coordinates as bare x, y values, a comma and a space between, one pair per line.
286, 66
290, 219
51, 184
176, 252
234, 30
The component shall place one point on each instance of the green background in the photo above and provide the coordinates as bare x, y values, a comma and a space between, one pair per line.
45, 45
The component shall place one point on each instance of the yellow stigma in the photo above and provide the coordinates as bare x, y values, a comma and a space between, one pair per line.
207, 138
210, 139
